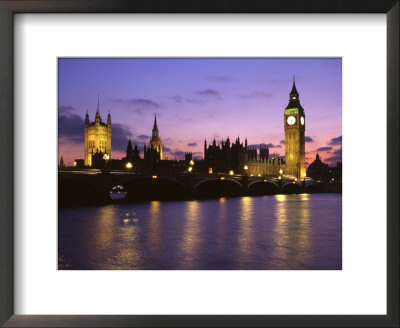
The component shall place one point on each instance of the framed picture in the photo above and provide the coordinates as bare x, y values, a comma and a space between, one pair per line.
106, 223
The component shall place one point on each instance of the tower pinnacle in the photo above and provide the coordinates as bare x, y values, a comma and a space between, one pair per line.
155, 128
294, 90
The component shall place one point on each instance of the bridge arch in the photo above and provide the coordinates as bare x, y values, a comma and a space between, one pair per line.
217, 179
217, 187
261, 187
292, 188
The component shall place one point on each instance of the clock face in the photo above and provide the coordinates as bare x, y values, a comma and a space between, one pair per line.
291, 120
302, 120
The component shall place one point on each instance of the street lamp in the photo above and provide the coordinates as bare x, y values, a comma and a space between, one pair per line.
106, 157
129, 165
231, 172
191, 162
190, 169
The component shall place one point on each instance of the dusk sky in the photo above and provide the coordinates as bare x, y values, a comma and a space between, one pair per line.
197, 99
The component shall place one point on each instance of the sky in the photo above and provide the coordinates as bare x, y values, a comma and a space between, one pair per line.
197, 99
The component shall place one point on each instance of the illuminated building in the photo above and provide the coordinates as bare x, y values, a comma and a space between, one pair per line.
241, 158
294, 123
155, 141
97, 137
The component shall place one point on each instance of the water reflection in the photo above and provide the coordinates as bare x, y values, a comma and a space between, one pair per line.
154, 233
292, 231
269, 232
191, 234
245, 235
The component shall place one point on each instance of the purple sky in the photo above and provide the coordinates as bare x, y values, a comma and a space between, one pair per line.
200, 98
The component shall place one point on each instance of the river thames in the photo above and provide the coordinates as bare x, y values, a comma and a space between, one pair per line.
280, 232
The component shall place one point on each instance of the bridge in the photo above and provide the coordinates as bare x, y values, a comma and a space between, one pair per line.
79, 187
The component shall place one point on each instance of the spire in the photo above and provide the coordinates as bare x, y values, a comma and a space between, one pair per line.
155, 122
294, 90
97, 118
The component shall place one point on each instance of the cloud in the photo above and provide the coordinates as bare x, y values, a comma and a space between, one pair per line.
308, 139
138, 103
166, 149
208, 93
338, 152
181, 99
334, 159
270, 145
120, 134
178, 153
282, 142
336, 141
192, 144
324, 149
220, 78
65, 110
143, 137
257, 94
71, 128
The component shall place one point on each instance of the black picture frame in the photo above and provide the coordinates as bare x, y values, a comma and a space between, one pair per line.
10, 7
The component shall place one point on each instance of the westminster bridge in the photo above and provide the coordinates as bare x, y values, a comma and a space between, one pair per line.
80, 187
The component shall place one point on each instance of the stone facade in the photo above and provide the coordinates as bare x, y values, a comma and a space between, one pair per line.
294, 123
97, 137
155, 141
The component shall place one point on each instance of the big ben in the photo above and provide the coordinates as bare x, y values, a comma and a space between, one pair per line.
295, 126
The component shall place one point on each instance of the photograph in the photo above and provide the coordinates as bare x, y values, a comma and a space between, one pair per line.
199, 163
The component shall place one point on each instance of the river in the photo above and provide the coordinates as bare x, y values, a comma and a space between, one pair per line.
280, 232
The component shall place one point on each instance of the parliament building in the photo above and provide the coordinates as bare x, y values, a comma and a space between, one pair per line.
242, 159
97, 138
224, 157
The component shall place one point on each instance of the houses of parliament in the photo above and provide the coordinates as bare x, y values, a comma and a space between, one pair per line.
222, 157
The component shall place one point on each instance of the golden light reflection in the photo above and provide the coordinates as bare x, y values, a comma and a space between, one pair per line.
281, 198
108, 250
222, 231
246, 231
191, 234
103, 232
154, 228
292, 231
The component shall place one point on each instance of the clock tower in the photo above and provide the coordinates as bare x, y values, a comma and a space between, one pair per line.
295, 126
